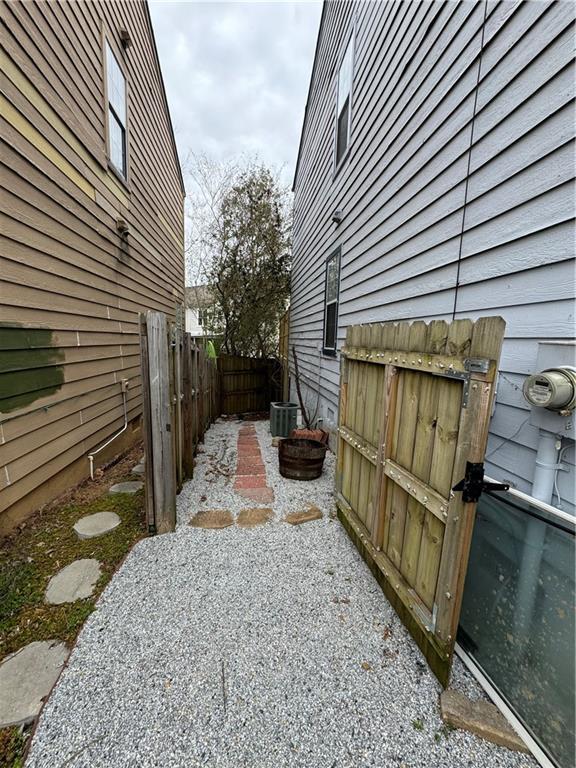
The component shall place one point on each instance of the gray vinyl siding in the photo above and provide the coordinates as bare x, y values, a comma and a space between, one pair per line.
417, 86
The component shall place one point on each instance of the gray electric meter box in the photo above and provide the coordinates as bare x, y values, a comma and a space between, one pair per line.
551, 389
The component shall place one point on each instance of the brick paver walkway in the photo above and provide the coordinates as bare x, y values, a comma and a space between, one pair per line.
250, 479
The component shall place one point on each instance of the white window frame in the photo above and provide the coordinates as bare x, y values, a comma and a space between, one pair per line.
112, 113
347, 58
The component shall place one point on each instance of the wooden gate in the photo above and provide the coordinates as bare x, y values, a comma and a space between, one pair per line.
180, 399
415, 404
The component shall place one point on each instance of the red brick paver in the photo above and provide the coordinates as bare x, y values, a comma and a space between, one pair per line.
261, 495
250, 481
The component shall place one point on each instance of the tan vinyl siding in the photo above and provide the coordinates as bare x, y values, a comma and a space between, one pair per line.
71, 286
402, 190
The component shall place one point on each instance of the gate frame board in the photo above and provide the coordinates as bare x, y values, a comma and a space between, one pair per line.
402, 463
147, 426
163, 464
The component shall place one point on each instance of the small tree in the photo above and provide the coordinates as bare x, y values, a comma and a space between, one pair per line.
250, 266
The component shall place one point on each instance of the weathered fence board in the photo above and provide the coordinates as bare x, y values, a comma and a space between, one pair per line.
188, 403
283, 354
180, 401
415, 404
147, 426
248, 384
162, 466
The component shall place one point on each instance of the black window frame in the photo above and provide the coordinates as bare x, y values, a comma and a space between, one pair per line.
335, 254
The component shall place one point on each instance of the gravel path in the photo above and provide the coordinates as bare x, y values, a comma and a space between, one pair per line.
250, 648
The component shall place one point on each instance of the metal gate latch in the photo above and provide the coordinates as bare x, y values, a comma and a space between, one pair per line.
473, 484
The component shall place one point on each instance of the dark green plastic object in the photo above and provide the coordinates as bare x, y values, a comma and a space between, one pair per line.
282, 418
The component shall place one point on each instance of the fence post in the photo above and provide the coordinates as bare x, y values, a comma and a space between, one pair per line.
201, 372
195, 384
187, 408
147, 427
178, 405
162, 466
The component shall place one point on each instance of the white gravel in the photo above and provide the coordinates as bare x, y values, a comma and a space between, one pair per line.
250, 648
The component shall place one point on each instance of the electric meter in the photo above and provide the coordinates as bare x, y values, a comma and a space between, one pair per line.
554, 389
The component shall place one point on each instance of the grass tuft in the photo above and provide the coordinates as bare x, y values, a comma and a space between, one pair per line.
29, 559
12, 743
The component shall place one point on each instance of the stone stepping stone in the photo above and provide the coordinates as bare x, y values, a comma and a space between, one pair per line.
96, 525
212, 518
26, 679
74, 582
253, 516
138, 469
131, 486
304, 515
480, 717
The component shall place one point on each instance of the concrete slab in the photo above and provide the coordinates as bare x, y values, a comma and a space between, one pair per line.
96, 525
138, 469
74, 582
26, 679
479, 717
131, 486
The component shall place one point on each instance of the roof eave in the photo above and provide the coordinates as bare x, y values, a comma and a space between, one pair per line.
309, 94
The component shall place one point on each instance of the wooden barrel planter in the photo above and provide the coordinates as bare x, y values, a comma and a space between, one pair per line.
301, 459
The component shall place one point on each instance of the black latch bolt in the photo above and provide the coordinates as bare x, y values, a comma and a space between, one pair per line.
473, 484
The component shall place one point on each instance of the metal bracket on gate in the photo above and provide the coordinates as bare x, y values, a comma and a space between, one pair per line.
427, 620
472, 365
473, 484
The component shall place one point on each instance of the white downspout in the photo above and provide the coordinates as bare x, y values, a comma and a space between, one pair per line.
124, 384
547, 456
549, 446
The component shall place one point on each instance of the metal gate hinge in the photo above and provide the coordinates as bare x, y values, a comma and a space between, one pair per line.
473, 484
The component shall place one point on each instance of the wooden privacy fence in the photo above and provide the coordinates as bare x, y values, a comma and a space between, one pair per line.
284, 352
415, 403
180, 400
248, 384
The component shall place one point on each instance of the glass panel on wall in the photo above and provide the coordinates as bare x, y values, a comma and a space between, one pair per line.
517, 618
332, 279
116, 86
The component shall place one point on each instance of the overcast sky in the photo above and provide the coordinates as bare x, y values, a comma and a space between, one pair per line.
237, 75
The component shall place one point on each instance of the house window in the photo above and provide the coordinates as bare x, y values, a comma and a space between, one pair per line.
343, 117
116, 90
331, 302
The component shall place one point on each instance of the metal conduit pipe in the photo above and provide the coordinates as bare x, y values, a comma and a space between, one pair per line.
124, 384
